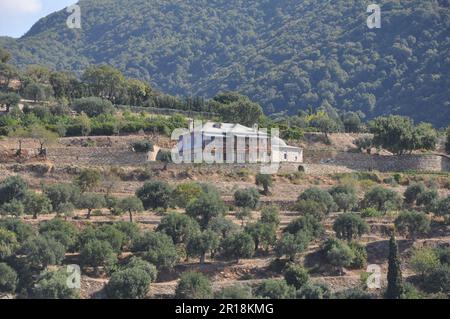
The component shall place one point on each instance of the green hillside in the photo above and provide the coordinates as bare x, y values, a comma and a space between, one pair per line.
285, 54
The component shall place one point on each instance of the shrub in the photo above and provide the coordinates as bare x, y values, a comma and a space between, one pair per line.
438, 280
193, 285
413, 191
206, 207
8, 279
443, 207
236, 291
312, 208
382, 199
296, 276
344, 196
53, 285
142, 146
307, 224
424, 261
8, 243
97, 253
237, 246
291, 245
63, 232
265, 181
319, 196
22, 230
314, 291
88, 179
370, 213
93, 106
412, 224
270, 215
42, 251
275, 289
155, 195
158, 249
247, 198
13, 188
350, 226
179, 227
185, 193
130, 283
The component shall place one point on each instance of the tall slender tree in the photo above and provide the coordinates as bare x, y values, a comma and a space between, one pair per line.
394, 276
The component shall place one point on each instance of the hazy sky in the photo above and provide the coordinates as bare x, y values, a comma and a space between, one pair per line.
17, 16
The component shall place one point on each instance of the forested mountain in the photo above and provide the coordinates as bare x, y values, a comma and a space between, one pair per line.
287, 55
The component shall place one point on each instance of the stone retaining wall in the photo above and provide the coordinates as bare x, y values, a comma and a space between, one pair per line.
382, 163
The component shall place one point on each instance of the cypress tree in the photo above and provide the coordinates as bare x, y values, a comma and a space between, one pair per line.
394, 276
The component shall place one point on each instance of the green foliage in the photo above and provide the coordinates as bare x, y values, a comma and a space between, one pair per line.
236, 291
9, 100
350, 226
319, 196
246, 198
275, 289
207, 206
344, 196
157, 248
201, 243
98, 253
394, 277
8, 279
184, 193
443, 207
265, 181
236, 108
341, 254
223, 226
413, 191
143, 146
66, 233
264, 234
318, 210
290, 245
155, 194
306, 224
399, 135
438, 280
22, 230
133, 282
60, 194
12, 188
91, 201
41, 251
131, 205
37, 204
424, 261
12, 208
314, 291
270, 215
179, 227
296, 276
164, 156
412, 224
382, 199
272, 73
194, 285
8, 243
237, 246
92, 106
88, 179
53, 285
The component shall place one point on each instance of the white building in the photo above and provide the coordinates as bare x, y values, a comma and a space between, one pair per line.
235, 143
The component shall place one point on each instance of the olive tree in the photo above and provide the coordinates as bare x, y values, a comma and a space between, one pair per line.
199, 244
194, 285
131, 205
350, 226
155, 194
412, 224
